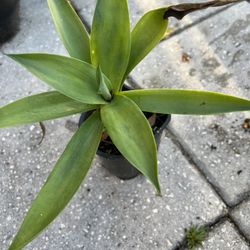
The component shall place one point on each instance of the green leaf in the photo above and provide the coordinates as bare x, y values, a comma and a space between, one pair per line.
63, 182
71, 29
193, 102
110, 39
147, 33
104, 85
132, 135
36, 108
71, 77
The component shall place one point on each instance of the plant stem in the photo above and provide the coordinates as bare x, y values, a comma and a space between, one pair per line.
180, 10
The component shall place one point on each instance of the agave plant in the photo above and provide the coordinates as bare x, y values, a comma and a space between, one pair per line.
92, 79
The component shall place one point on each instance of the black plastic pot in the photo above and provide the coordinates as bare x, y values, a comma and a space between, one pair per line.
116, 164
9, 19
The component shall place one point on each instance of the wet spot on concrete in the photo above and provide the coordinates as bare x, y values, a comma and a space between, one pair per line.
246, 37
210, 63
71, 126
237, 27
222, 79
236, 57
192, 72
221, 133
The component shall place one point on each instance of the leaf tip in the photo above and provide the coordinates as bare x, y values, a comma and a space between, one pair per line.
14, 245
158, 189
156, 183
13, 56
9, 55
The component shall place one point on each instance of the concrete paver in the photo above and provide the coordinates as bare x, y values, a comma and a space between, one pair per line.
224, 237
106, 213
241, 217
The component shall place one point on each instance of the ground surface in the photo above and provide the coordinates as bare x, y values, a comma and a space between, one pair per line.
204, 162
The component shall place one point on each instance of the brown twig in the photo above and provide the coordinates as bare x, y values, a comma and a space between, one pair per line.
43, 128
180, 10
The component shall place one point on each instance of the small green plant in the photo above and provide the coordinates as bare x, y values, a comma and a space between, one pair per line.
195, 236
92, 79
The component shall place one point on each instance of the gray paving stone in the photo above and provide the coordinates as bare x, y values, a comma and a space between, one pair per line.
219, 61
224, 237
241, 216
106, 213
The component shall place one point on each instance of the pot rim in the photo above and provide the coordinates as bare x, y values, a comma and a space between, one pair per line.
158, 131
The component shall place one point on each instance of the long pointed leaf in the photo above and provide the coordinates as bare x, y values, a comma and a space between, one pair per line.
193, 102
71, 29
147, 33
71, 77
132, 135
110, 39
63, 182
36, 108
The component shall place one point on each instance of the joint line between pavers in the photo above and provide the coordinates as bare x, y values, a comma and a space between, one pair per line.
238, 229
234, 221
196, 163
182, 245
193, 163
133, 83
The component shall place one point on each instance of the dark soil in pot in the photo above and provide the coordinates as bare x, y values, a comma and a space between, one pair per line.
112, 160
9, 19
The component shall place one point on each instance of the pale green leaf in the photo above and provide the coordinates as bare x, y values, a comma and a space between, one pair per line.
105, 86
110, 39
193, 102
70, 76
63, 182
131, 133
147, 33
71, 29
36, 108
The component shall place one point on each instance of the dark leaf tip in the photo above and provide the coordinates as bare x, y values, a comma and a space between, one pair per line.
180, 10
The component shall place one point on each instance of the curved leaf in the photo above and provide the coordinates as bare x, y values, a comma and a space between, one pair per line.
193, 102
71, 77
36, 108
105, 86
147, 33
63, 182
110, 39
71, 29
180, 10
132, 135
